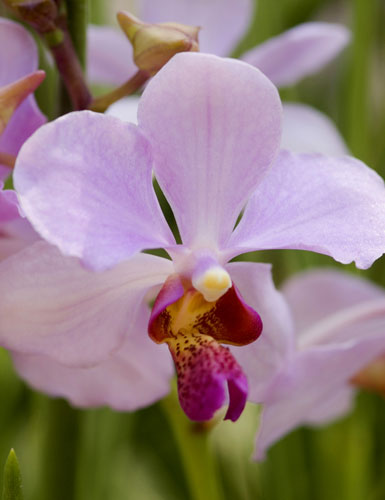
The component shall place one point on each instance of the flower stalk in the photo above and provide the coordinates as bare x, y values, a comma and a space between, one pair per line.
77, 16
193, 441
70, 70
51, 24
101, 103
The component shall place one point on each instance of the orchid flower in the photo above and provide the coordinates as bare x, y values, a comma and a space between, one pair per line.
209, 128
19, 113
284, 59
340, 330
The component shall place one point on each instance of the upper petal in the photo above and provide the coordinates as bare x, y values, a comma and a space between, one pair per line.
334, 206
314, 296
223, 22
214, 125
84, 181
307, 130
51, 305
18, 58
264, 358
109, 56
18, 52
136, 375
298, 52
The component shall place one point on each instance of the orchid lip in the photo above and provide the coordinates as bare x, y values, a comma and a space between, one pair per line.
193, 329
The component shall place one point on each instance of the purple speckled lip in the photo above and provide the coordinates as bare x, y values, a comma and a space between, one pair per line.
191, 326
203, 367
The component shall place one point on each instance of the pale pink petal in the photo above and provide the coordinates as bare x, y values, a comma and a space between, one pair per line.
334, 206
109, 56
51, 305
315, 382
214, 135
298, 52
307, 130
262, 359
9, 209
135, 376
332, 407
222, 22
18, 58
18, 52
14, 236
84, 182
25, 120
125, 109
313, 296
15, 231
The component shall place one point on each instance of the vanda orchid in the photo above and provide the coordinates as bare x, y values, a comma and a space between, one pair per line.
340, 343
209, 128
19, 77
284, 59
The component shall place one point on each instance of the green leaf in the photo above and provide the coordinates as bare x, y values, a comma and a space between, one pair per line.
12, 488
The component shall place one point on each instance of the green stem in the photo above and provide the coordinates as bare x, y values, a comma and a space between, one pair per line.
195, 450
101, 103
59, 451
98, 12
77, 15
70, 70
358, 95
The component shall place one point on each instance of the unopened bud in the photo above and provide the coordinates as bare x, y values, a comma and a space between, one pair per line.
12, 95
40, 14
155, 44
372, 377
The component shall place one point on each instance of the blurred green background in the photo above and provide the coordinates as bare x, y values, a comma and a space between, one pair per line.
152, 454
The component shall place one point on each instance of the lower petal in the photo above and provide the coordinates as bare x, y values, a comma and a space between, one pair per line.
135, 376
51, 305
312, 388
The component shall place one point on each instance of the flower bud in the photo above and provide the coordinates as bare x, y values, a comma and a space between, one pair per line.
12, 95
155, 44
372, 377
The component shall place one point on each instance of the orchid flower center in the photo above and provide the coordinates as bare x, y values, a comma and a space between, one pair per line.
193, 324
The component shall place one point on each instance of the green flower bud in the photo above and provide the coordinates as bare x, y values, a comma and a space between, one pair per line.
155, 44
12, 95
